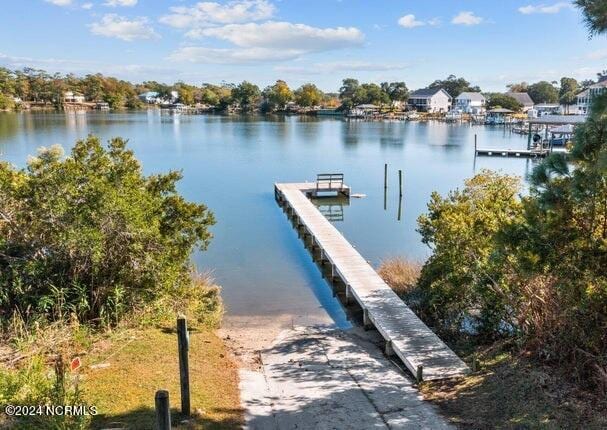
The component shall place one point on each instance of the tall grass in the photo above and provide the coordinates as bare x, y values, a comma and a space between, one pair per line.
400, 274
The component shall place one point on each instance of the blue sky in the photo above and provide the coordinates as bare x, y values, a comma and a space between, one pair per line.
491, 43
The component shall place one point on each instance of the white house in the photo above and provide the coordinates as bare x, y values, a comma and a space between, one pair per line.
433, 100
584, 99
524, 99
149, 97
72, 97
469, 102
545, 109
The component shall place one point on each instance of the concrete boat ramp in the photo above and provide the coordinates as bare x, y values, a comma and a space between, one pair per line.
317, 377
322, 378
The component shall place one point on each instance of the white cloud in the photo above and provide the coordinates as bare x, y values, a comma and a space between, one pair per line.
59, 2
198, 54
115, 3
543, 8
466, 18
112, 25
285, 35
409, 21
601, 54
204, 14
87, 6
340, 66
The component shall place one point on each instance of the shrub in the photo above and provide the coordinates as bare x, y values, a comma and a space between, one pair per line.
460, 283
89, 235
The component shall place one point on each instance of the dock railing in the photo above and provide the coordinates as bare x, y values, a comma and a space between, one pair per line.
329, 182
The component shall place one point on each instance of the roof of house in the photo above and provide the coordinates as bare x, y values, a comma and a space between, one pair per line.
522, 98
427, 92
601, 84
475, 97
584, 93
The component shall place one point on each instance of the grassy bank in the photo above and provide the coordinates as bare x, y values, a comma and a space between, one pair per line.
119, 375
128, 369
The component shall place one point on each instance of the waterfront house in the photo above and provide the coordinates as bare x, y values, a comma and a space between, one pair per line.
524, 99
432, 100
469, 102
150, 97
584, 99
72, 97
545, 109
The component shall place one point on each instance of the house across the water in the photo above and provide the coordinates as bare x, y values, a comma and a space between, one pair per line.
545, 109
524, 99
469, 102
72, 97
149, 97
584, 99
432, 100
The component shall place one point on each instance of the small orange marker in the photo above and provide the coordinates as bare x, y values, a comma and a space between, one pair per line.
75, 364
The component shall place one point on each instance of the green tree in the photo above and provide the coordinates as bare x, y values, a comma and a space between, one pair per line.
246, 95
347, 92
460, 283
568, 92
521, 87
543, 92
505, 102
308, 95
454, 85
277, 96
371, 93
89, 235
595, 15
397, 91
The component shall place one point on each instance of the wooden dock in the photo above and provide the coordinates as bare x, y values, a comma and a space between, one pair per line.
529, 153
406, 336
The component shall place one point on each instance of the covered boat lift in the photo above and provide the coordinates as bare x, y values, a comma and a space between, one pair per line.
565, 126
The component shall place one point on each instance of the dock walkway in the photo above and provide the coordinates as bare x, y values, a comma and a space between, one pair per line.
406, 336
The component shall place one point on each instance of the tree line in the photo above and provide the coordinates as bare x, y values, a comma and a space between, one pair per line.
38, 86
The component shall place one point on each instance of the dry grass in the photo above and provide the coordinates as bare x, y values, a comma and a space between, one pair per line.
400, 274
511, 391
143, 361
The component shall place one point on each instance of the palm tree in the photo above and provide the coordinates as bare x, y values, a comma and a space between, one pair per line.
595, 15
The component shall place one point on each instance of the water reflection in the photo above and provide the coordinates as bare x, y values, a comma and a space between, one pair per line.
230, 163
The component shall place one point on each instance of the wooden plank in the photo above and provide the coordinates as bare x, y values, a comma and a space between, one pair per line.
410, 339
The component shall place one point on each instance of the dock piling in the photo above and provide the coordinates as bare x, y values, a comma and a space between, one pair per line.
400, 183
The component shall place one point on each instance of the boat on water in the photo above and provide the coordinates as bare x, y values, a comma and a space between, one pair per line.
453, 116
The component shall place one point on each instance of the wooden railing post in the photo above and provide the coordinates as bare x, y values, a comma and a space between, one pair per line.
163, 412
184, 368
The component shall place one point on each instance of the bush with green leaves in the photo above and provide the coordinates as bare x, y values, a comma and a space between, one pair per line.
460, 283
90, 235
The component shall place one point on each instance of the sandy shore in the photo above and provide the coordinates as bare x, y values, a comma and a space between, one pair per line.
246, 336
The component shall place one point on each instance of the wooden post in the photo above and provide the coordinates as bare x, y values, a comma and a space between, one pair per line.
475, 142
184, 368
163, 412
385, 176
400, 183
420, 373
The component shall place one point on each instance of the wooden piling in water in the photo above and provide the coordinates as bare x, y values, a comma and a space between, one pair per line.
400, 183
385, 176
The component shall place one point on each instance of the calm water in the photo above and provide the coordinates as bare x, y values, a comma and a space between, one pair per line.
231, 163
